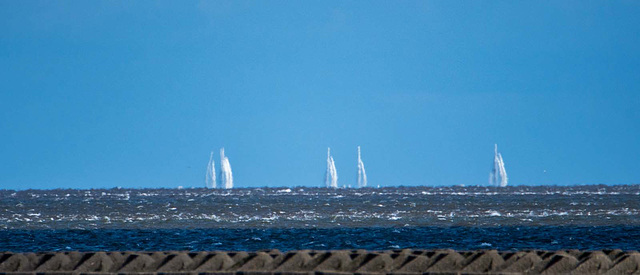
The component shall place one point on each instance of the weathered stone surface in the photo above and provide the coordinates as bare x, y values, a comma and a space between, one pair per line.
310, 262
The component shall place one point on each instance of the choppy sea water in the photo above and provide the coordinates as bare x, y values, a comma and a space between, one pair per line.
511, 218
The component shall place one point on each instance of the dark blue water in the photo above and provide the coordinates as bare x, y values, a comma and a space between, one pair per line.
377, 238
512, 218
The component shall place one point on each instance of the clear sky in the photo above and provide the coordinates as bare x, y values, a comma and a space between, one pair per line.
99, 94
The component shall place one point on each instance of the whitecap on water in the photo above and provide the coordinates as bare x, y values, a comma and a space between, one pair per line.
494, 213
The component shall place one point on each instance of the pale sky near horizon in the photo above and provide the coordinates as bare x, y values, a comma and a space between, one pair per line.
99, 94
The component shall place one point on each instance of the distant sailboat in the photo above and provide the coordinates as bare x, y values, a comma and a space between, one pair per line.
362, 174
331, 176
226, 177
225, 174
498, 175
210, 178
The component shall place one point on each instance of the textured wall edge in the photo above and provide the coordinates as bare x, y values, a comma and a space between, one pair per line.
406, 261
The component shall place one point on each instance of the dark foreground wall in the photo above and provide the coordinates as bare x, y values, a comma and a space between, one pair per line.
327, 262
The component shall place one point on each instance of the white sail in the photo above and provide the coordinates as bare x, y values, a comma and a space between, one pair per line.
226, 176
331, 175
362, 174
210, 178
498, 175
334, 174
504, 180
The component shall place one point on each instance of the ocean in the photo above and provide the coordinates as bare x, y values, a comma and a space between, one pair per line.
586, 217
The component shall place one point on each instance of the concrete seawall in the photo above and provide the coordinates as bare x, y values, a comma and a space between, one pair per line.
326, 262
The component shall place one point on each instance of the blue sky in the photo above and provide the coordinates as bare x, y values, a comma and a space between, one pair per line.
100, 94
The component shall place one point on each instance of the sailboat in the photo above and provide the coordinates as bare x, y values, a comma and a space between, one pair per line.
210, 177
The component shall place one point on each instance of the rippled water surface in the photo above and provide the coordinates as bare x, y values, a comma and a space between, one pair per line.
294, 218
